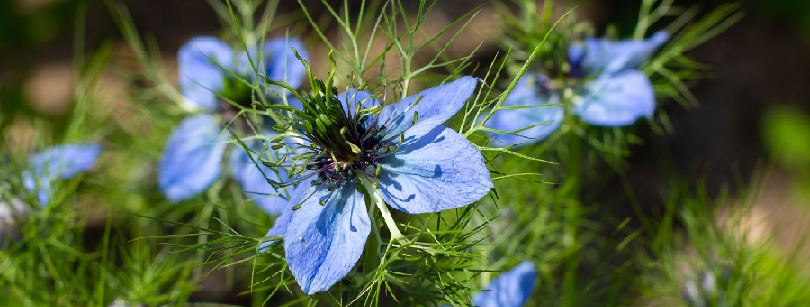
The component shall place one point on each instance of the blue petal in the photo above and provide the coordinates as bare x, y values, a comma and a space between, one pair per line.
435, 169
66, 160
39, 183
280, 225
192, 157
254, 184
352, 97
293, 102
511, 289
576, 52
323, 243
603, 55
198, 76
526, 93
437, 105
62, 161
616, 100
281, 63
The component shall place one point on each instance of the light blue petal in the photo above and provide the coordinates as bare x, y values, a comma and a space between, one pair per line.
66, 160
616, 100
281, 63
603, 55
198, 76
192, 157
279, 227
437, 105
352, 97
435, 169
40, 183
526, 93
280, 224
254, 184
62, 161
576, 52
511, 289
294, 102
323, 243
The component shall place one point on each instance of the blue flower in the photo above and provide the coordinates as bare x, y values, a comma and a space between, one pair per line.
192, 158
613, 91
416, 164
59, 162
510, 289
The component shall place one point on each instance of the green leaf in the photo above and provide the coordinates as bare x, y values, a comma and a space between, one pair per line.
786, 134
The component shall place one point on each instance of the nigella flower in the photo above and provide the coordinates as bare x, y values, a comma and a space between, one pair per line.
603, 85
510, 289
59, 162
192, 158
399, 154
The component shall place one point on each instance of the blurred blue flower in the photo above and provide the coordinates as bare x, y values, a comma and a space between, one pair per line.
192, 158
422, 167
614, 92
510, 289
58, 162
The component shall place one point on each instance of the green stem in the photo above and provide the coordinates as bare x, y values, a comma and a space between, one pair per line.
572, 213
372, 187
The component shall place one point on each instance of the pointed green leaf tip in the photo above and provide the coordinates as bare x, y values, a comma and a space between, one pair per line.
354, 147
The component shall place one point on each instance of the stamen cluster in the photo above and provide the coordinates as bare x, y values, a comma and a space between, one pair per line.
235, 94
342, 142
339, 138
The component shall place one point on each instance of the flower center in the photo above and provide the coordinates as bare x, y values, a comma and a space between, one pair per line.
336, 166
343, 139
565, 86
237, 92
236, 95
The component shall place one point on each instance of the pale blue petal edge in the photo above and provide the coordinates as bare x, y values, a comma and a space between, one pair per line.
192, 158
510, 289
198, 77
281, 63
616, 99
251, 177
597, 55
526, 93
63, 161
434, 170
280, 224
436, 106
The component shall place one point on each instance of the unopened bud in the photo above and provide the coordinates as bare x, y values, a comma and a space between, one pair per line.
354, 147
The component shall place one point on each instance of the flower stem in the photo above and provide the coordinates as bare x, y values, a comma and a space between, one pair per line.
372, 187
